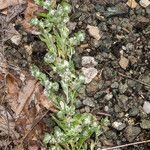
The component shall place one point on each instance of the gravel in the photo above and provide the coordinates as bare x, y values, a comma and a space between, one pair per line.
146, 107
145, 124
89, 102
118, 125
131, 133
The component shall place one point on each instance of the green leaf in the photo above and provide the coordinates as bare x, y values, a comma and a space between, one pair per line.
49, 58
47, 138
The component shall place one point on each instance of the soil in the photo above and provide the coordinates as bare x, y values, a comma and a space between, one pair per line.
118, 91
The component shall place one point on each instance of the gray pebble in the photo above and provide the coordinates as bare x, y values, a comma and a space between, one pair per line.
114, 85
133, 111
123, 88
89, 102
131, 133
108, 96
118, 125
146, 107
145, 124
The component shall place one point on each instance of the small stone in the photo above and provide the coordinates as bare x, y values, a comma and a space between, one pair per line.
106, 108
118, 125
146, 79
123, 88
133, 112
87, 109
123, 102
78, 104
117, 109
94, 32
116, 10
108, 73
16, 39
89, 74
133, 60
146, 107
114, 85
130, 47
71, 25
89, 102
88, 61
111, 135
108, 96
144, 3
92, 88
131, 83
131, 133
132, 3
145, 124
124, 62
95, 43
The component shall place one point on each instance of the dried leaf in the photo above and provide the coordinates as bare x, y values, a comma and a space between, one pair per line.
44, 101
29, 14
12, 88
7, 127
24, 95
132, 3
7, 3
8, 32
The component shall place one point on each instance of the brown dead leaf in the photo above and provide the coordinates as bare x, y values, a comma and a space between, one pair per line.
42, 100
12, 88
8, 31
45, 102
7, 126
132, 3
124, 62
29, 14
19, 98
7, 3
24, 95
26, 101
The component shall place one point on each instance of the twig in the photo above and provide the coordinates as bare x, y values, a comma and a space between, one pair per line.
103, 114
126, 145
123, 75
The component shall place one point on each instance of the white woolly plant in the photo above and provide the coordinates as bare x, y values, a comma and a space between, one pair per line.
73, 129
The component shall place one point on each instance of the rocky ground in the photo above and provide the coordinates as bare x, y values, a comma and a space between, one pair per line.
115, 58
117, 48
